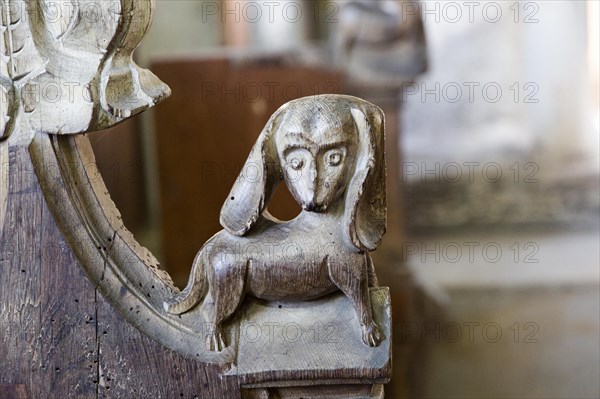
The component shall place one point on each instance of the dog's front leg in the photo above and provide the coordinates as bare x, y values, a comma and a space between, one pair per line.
351, 277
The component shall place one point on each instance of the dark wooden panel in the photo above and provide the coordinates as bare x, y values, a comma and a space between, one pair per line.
13, 391
20, 299
119, 156
133, 366
68, 348
204, 134
58, 337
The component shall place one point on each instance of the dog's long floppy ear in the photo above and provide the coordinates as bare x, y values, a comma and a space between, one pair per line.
365, 211
256, 183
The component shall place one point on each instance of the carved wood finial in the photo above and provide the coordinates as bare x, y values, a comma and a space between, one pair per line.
67, 66
329, 150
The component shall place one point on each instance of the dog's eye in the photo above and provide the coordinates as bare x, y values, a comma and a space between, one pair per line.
296, 163
334, 158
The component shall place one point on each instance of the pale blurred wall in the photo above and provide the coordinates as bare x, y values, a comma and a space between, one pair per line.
534, 52
187, 27
180, 28
286, 27
552, 295
508, 92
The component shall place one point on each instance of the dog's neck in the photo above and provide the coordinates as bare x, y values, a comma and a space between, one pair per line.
318, 220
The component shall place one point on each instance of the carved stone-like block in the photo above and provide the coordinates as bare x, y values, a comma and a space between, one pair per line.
316, 339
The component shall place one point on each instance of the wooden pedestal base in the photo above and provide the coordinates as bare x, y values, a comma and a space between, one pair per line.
291, 348
317, 392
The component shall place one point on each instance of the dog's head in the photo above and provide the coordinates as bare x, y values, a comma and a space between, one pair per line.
327, 148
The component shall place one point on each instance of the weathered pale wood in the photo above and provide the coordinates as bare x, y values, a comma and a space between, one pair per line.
329, 150
109, 266
317, 340
68, 67
317, 392
58, 188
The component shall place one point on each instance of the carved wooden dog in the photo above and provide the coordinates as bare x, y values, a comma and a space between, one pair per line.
329, 149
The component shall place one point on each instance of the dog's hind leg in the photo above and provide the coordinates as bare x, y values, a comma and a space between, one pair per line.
193, 292
227, 283
351, 276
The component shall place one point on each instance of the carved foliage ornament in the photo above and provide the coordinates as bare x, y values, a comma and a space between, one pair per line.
66, 67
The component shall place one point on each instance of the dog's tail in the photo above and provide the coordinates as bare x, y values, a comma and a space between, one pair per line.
193, 292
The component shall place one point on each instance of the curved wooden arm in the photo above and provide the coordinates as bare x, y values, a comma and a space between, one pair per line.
126, 273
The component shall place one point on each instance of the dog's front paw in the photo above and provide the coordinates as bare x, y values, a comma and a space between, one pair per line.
215, 342
371, 334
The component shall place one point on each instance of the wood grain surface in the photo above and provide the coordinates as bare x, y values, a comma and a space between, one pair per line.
59, 338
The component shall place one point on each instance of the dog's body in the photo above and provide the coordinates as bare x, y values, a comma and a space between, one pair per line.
272, 264
325, 248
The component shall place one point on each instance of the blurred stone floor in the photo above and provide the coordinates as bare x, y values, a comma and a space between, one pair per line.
516, 315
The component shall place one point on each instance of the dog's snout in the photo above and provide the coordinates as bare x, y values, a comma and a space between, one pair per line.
310, 207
